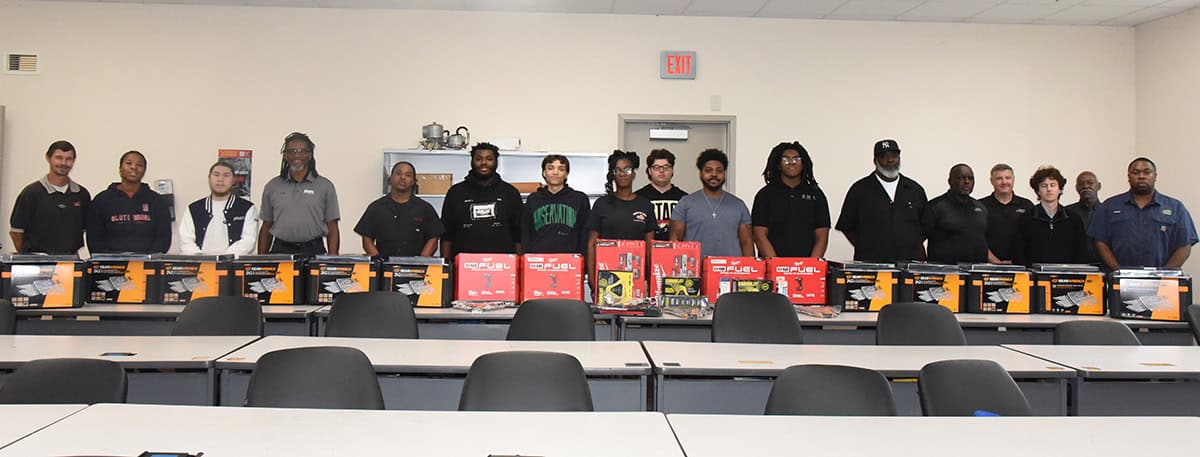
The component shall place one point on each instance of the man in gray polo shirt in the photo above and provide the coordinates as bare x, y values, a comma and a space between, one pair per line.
717, 219
299, 207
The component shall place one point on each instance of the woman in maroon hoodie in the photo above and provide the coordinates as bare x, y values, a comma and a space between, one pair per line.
128, 216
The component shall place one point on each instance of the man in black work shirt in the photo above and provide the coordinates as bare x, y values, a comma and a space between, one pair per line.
482, 213
400, 223
881, 215
1088, 188
49, 214
791, 215
956, 223
1004, 210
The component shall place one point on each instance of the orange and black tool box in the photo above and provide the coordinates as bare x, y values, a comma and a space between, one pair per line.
999, 289
862, 286
333, 275
183, 278
122, 278
1068, 289
272, 279
42, 281
933, 283
426, 280
1149, 294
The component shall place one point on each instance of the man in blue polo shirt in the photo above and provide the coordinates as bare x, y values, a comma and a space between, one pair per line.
1142, 227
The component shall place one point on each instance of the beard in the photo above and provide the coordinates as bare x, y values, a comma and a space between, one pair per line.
888, 173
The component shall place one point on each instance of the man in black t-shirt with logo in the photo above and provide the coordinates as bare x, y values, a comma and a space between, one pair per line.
790, 217
660, 168
49, 214
400, 224
1005, 208
482, 214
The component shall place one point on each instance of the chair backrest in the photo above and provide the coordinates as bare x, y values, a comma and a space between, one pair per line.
553, 320
1108, 333
526, 381
918, 324
1193, 317
63, 381
831, 390
755, 317
372, 315
315, 377
220, 316
8, 318
962, 387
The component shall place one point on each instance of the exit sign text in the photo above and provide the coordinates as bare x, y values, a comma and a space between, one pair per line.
677, 65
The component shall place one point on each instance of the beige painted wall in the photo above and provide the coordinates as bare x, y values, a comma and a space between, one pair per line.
1168, 117
178, 82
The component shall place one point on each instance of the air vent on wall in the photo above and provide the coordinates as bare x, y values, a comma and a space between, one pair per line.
22, 63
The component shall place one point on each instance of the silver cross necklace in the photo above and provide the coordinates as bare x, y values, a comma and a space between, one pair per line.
710, 205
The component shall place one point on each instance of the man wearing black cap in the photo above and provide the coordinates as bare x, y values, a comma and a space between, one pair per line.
881, 215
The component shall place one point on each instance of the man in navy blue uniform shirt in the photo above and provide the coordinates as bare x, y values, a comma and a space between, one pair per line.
1142, 227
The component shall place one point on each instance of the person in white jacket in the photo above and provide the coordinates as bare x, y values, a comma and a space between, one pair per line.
221, 223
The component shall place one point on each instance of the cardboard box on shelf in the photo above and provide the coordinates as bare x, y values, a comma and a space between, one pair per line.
434, 183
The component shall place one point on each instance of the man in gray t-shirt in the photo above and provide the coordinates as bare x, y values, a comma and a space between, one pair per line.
299, 207
717, 219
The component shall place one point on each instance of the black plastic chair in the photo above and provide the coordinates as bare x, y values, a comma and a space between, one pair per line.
755, 317
8, 318
1193, 318
526, 381
552, 320
315, 377
831, 390
220, 316
918, 324
964, 387
65, 381
372, 315
1100, 333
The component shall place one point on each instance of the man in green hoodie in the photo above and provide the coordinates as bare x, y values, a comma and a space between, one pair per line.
555, 215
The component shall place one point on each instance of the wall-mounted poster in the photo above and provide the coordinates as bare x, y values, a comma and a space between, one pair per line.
240, 160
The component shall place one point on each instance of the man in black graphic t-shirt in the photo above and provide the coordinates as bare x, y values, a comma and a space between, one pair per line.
663, 196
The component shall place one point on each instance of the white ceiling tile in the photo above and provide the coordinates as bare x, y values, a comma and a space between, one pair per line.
1143, 16
1016, 13
575, 6
812, 9
874, 9
502, 5
1086, 15
284, 3
1180, 4
666, 7
1138, 3
429, 4
949, 9
723, 7
1061, 3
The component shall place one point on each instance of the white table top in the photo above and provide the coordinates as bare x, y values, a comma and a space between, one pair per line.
712, 436
232, 431
733, 359
146, 351
155, 310
869, 319
1117, 362
16, 421
453, 356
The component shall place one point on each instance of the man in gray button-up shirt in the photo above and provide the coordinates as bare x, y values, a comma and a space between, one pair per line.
299, 207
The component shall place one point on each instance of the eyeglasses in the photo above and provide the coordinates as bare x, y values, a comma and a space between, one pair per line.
624, 171
296, 151
790, 160
661, 167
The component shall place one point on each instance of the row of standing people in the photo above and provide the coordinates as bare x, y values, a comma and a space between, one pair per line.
885, 215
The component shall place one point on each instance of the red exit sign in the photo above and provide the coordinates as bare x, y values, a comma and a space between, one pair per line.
677, 65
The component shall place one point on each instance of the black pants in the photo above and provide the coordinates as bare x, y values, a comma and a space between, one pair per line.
311, 247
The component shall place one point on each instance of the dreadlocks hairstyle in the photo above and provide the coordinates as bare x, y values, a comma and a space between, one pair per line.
613, 158
312, 161
416, 186
773, 173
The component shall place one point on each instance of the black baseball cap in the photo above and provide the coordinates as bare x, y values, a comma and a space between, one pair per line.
885, 146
